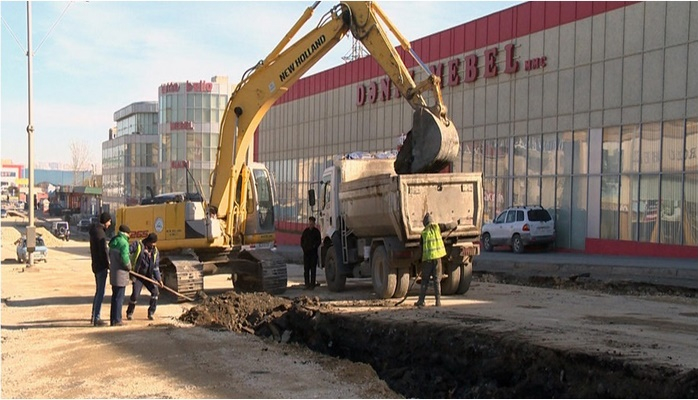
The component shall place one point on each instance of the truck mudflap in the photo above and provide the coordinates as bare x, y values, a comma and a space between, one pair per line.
429, 146
260, 270
184, 276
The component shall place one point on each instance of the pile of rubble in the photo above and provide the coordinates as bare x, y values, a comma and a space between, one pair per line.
260, 314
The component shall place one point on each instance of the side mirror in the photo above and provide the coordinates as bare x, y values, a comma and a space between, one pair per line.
311, 197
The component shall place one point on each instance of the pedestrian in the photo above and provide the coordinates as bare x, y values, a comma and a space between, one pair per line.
100, 264
146, 260
310, 242
432, 246
120, 265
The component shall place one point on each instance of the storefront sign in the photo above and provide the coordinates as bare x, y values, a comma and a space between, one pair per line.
182, 125
373, 92
179, 164
200, 86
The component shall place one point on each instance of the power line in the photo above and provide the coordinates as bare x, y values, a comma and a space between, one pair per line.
13, 34
53, 26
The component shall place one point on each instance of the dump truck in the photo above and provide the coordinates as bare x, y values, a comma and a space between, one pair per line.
371, 221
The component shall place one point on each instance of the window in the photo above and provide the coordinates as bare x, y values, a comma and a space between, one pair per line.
511, 216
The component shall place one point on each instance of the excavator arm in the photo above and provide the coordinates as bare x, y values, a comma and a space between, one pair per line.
432, 143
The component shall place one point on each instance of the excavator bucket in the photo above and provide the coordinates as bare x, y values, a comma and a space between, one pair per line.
429, 147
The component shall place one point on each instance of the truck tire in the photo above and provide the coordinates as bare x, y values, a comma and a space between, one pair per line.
466, 277
403, 284
449, 284
335, 281
383, 275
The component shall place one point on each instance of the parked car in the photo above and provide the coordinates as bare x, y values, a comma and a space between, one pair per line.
519, 227
84, 225
40, 251
61, 230
3, 213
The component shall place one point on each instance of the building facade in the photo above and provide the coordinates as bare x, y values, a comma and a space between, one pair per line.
589, 109
189, 123
130, 156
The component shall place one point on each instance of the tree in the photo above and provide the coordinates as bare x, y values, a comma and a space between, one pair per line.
80, 157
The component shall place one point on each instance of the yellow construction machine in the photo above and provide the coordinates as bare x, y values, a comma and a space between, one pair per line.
198, 237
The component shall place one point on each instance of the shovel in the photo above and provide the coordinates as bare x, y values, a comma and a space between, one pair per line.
158, 283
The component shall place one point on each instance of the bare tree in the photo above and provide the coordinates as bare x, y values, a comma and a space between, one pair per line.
80, 154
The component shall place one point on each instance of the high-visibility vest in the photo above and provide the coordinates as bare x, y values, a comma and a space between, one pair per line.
433, 244
137, 253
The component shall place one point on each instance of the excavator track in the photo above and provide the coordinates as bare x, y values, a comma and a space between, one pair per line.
260, 270
184, 276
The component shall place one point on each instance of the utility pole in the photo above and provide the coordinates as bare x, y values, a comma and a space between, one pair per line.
31, 229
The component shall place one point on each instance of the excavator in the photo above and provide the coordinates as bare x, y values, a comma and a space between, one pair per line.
198, 237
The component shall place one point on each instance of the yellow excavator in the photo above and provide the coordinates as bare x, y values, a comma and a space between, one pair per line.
198, 237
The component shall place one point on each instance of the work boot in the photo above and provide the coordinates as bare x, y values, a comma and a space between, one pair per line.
99, 322
150, 317
129, 316
419, 304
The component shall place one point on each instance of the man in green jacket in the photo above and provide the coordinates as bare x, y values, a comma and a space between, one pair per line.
120, 265
433, 250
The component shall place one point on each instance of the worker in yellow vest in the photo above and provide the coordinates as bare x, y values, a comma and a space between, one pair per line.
433, 249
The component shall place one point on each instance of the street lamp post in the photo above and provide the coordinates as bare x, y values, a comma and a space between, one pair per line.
31, 230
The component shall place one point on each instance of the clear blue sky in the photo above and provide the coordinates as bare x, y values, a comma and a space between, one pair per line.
102, 56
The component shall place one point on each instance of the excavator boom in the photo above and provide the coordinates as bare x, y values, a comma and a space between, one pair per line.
431, 144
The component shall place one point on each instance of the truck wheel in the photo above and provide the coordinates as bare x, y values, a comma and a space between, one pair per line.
466, 277
486, 242
384, 277
335, 281
403, 283
449, 284
516, 244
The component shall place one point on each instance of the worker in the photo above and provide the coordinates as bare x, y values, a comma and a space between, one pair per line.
432, 246
146, 260
100, 264
119, 267
310, 242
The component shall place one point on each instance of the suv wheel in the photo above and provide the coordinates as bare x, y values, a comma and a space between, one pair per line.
486, 242
516, 244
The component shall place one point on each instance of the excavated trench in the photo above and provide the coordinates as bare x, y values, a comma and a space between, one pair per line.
440, 360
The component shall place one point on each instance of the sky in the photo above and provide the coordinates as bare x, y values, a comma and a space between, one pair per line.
92, 58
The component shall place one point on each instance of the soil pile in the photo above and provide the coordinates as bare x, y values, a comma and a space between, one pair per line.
257, 313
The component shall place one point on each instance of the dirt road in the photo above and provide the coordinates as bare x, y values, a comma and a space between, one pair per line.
49, 350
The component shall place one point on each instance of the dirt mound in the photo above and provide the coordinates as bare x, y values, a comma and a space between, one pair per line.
13, 230
257, 313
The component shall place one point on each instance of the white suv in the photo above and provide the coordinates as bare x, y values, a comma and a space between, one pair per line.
519, 227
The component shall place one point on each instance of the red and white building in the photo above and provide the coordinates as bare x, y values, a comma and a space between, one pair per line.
589, 109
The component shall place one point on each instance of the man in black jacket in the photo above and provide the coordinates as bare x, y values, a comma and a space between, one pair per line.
310, 241
100, 263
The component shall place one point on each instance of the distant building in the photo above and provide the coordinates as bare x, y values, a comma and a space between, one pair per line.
189, 123
131, 155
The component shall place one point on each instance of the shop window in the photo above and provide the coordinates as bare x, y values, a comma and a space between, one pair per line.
549, 154
502, 157
580, 159
690, 210
534, 155
630, 149
670, 228
610, 216
520, 156
579, 212
564, 153
610, 158
650, 145
563, 199
533, 191
691, 147
648, 208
